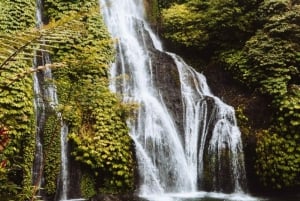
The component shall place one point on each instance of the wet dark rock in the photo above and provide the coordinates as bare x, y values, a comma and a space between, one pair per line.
166, 80
75, 174
256, 108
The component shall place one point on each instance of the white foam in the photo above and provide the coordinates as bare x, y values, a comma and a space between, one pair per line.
201, 195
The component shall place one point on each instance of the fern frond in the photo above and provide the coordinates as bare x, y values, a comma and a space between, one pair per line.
9, 81
23, 45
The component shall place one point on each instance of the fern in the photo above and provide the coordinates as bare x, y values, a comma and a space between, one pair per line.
24, 44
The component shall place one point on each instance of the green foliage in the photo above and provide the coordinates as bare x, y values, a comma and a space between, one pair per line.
52, 151
33, 40
269, 62
16, 110
272, 7
243, 122
27, 151
265, 63
57, 9
17, 49
16, 113
258, 41
216, 24
95, 116
16, 105
87, 186
16, 15
152, 10
288, 115
106, 146
180, 25
83, 43
168, 3
278, 163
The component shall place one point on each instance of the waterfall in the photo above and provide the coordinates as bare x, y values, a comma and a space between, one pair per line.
220, 138
39, 107
46, 96
204, 152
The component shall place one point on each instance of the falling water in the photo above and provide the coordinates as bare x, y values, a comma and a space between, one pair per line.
162, 162
171, 161
46, 96
39, 107
40, 117
207, 117
64, 160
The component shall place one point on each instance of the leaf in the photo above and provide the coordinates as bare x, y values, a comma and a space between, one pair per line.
33, 40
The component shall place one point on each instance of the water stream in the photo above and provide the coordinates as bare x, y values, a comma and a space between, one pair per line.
206, 154
39, 59
46, 96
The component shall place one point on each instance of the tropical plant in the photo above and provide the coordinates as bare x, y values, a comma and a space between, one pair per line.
95, 116
24, 45
18, 49
257, 41
278, 160
213, 24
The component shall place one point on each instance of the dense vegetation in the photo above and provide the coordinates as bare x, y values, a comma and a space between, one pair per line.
16, 106
95, 116
78, 41
258, 42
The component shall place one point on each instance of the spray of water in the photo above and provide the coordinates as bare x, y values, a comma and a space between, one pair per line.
169, 161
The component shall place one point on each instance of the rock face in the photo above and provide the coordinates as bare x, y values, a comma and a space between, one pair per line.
166, 80
75, 174
216, 165
256, 109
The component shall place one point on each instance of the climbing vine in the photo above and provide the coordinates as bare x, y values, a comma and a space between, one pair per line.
278, 159
269, 62
16, 107
88, 186
96, 117
51, 138
94, 51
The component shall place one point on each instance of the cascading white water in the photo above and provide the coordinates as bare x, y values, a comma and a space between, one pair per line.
168, 163
39, 107
46, 96
64, 160
161, 158
225, 134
